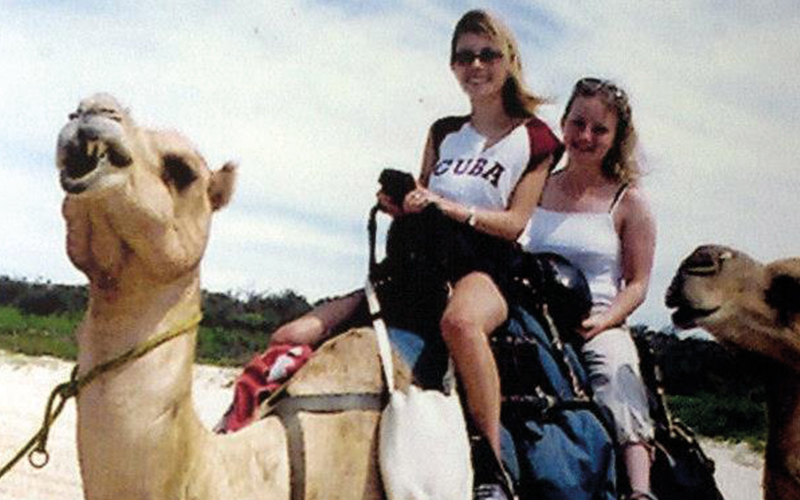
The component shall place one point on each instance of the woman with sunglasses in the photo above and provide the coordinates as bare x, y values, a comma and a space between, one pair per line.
594, 213
485, 171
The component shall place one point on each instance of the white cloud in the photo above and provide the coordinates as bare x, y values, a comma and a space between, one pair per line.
314, 98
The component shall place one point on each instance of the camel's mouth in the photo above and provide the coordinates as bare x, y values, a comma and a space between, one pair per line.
686, 316
83, 155
77, 165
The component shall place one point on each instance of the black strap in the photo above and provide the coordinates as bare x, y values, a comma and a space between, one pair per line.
617, 196
287, 410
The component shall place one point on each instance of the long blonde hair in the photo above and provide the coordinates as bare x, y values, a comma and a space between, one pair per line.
620, 163
518, 100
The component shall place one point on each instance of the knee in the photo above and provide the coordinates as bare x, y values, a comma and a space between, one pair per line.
457, 328
286, 334
299, 331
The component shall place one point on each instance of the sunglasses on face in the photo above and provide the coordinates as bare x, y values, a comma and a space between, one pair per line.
593, 85
485, 56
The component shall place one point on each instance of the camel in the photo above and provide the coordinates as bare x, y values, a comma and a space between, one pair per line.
754, 307
138, 208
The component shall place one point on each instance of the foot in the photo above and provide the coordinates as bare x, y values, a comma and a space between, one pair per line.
490, 491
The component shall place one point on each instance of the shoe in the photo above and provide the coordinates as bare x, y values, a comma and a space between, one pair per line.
492, 481
489, 491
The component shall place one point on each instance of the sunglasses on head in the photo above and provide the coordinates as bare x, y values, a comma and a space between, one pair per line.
466, 57
593, 85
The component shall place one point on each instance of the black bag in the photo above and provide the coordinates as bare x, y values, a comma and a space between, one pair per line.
681, 470
546, 279
412, 282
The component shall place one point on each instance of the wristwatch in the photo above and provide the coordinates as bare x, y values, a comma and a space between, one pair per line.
471, 218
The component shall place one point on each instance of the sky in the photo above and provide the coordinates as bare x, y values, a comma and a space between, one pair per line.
314, 98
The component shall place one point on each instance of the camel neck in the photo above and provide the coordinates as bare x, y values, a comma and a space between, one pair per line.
148, 397
783, 404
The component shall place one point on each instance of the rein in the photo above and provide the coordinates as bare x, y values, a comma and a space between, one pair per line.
36, 446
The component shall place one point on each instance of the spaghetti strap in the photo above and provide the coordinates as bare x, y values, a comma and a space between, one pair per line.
617, 196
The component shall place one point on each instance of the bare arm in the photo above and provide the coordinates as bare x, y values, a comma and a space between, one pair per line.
637, 231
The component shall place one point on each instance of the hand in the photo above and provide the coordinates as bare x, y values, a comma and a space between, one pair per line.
417, 200
593, 325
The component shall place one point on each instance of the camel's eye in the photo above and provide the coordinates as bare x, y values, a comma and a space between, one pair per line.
177, 172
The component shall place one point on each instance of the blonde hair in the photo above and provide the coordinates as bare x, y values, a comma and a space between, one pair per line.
518, 100
620, 163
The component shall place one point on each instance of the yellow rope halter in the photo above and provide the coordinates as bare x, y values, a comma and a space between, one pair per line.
37, 445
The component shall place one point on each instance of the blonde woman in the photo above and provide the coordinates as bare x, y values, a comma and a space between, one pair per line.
594, 213
485, 170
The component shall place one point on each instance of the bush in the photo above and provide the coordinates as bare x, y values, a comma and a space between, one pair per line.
723, 417
10, 290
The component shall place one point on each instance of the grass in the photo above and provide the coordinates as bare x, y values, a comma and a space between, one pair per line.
38, 335
724, 417
53, 335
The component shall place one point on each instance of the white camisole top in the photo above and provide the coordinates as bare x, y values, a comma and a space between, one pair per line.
588, 239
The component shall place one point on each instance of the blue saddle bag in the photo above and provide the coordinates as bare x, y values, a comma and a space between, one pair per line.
555, 444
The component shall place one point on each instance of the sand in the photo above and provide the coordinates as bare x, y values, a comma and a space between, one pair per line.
26, 382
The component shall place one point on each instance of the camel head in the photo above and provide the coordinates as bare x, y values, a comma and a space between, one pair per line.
740, 301
138, 201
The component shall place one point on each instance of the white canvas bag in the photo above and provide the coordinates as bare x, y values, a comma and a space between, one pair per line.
424, 450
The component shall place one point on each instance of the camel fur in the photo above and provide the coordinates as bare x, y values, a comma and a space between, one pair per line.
754, 307
138, 209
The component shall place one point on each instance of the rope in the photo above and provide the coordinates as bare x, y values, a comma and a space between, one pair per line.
36, 447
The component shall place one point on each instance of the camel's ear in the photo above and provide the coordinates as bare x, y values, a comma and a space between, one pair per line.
220, 189
783, 292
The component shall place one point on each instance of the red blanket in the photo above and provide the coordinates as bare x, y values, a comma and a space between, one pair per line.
260, 378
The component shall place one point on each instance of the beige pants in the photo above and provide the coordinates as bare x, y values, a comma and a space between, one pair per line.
612, 363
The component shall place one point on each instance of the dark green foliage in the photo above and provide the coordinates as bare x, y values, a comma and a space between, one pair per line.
713, 389
694, 365
254, 311
10, 289
234, 327
42, 298
723, 417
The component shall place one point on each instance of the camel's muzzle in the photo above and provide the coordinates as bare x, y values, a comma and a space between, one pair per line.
87, 146
704, 261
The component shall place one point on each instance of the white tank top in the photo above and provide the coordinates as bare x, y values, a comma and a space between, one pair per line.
588, 239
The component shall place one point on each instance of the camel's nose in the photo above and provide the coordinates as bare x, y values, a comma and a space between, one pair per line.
705, 260
674, 295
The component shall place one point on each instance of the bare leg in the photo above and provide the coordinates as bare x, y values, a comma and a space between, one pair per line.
314, 326
637, 465
475, 309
